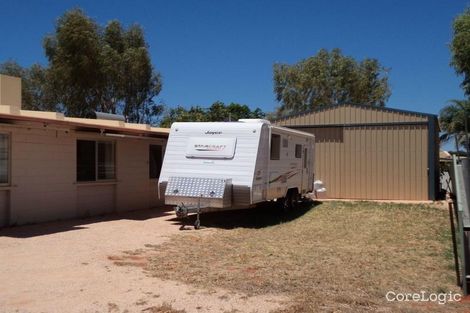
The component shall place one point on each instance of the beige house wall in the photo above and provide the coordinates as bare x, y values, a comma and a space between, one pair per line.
10, 93
43, 184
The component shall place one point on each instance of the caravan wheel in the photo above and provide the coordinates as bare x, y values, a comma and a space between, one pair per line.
288, 202
296, 198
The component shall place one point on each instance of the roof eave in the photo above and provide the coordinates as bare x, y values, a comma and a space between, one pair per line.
96, 126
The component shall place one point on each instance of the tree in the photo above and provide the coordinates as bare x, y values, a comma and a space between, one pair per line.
140, 83
180, 114
452, 120
75, 64
237, 111
329, 78
96, 69
177, 114
113, 48
217, 112
460, 48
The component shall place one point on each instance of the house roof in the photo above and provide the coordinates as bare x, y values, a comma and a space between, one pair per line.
10, 114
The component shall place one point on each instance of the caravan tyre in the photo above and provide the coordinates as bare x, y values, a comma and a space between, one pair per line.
296, 198
287, 202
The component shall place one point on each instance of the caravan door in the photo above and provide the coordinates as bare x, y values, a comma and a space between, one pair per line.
305, 165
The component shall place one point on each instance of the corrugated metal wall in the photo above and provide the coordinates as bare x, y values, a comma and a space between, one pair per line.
368, 153
349, 114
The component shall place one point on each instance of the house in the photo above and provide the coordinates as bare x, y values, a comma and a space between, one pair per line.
56, 167
375, 153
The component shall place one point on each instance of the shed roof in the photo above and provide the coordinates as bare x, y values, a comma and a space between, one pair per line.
353, 114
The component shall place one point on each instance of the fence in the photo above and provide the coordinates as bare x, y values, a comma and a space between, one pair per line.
460, 174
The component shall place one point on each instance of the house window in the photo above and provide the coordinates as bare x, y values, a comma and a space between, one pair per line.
275, 147
106, 160
96, 160
4, 158
298, 151
155, 161
86, 164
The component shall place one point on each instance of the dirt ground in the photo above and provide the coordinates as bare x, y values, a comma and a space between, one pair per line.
73, 266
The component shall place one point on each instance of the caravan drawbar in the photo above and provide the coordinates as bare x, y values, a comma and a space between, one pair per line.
210, 166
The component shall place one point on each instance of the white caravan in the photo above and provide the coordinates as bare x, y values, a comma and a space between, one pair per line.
233, 165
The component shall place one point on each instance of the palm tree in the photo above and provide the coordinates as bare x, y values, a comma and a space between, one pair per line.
454, 121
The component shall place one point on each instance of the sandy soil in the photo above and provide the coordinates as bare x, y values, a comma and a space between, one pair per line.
71, 266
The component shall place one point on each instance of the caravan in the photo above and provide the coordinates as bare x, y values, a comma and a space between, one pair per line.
232, 165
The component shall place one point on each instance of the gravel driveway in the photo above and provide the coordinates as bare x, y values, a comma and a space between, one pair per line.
68, 267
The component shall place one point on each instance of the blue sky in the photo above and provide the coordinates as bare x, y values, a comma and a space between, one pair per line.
224, 50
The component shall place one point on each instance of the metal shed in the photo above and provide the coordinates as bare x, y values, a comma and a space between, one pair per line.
365, 152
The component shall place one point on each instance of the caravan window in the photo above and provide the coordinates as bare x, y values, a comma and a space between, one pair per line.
285, 143
298, 151
275, 147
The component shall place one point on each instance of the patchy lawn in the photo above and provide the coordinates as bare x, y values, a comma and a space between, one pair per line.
334, 256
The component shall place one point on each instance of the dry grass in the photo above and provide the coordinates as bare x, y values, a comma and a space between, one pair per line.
164, 308
129, 259
336, 257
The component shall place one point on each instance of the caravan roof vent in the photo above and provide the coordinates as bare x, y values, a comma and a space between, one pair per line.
254, 120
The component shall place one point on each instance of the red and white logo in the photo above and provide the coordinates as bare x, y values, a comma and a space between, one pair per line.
207, 147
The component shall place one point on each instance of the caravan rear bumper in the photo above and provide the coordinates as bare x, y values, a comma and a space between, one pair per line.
235, 197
